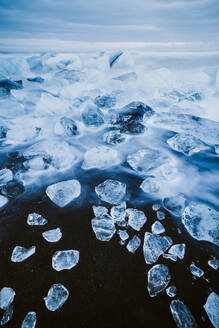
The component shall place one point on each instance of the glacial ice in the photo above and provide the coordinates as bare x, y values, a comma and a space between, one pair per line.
92, 116
202, 222
158, 279
178, 250
214, 263
186, 144
111, 191
154, 246
103, 227
182, 315
196, 271
64, 192
20, 253
3, 201
36, 219
157, 228
52, 236
7, 295
175, 204
171, 291
146, 159
56, 297
65, 126
6, 175
65, 260
101, 157
136, 218
133, 244
29, 320
7, 315
211, 307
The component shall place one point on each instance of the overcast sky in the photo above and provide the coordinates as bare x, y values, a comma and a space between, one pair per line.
189, 23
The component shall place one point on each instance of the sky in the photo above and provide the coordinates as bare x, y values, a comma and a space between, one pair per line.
62, 24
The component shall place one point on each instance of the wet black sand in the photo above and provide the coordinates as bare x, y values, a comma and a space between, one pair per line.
108, 288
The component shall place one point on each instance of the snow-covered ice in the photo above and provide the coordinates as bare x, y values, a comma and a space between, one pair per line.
20, 253
158, 279
53, 235
64, 192
57, 296
29, 320
36, 219
111, 191
65, 260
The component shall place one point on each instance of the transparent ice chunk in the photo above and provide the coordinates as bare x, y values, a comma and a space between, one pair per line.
158, 279
196, 271
211, 307
101, 157
30, 320
157, 228
64, 192
178, 250
154, 246
36, 219
111, 191
20, 253
56, 297
133, 244
65, 260
171, 291
7, 295
103, 227
52, 236
136, 218
182, 315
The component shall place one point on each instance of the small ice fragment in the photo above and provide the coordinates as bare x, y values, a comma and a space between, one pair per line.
103, 227
6, 175
113, 137
170, 257
214, 263
154, 246
20, 253
7, 315
160, 215
158, 279
118, 212
133, 244
52, 236
100, 157
92, 116
155, 207
136, 218
3, 201
150, 185
63, 193
111, 191
186, 144
30, 320
36, 219
175, 204
171, 291
100, 210
182, 315
56, 297
157, 228
66, 127
178, 250
211, 307
123, 234
65, 260
196, 271
7, 295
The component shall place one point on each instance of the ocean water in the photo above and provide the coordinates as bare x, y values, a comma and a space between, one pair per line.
108, 288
